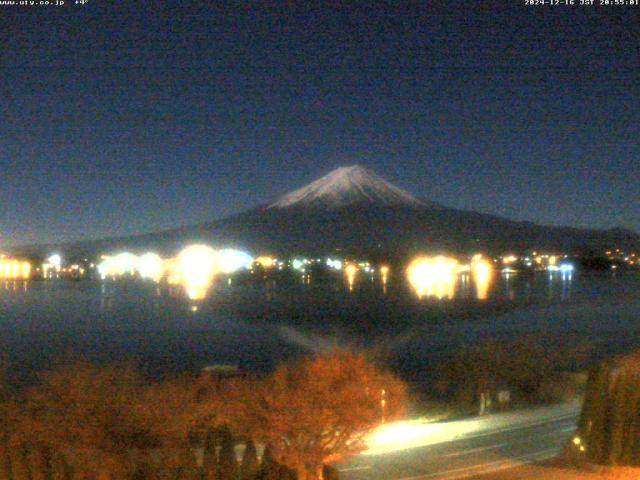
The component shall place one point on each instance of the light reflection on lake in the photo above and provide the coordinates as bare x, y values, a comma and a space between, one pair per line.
256, 323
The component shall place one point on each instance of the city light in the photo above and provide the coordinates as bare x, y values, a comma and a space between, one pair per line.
104, 267
384, 272
433, 276
55, 261
566, 268
195, 268
13, 269
124, 263
230, 260
509, 259
350, 271
335, 264
52, 264
265, 261
482, 272
151, 266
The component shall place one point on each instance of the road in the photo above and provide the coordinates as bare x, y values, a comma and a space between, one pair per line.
466, 449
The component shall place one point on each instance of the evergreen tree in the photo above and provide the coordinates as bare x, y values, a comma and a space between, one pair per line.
227, 462
188, 468
39, 463
287, 474
269, 468
5, 462
60, 469
143, 470
249, 467
171, 464
210, 458
609, 426
19, 466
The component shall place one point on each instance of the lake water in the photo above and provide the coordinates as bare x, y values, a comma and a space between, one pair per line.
257, 324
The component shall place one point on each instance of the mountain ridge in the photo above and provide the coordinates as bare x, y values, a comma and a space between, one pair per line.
345, 186
355, 211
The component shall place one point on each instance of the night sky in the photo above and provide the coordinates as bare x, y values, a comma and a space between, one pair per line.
128, 117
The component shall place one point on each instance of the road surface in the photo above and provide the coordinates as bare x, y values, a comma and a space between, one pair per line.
465, 449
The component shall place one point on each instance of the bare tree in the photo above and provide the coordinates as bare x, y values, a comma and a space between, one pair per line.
320, 409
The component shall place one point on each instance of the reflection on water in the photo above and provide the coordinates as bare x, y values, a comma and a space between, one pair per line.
255, 323
350, 271
482, 271
567, 282
13, 269
151, 266
384, 272
433, 276
14, 285
384, 275
430, 278
194, 269
508, 285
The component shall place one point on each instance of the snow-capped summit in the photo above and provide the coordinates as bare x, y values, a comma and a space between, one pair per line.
346, 186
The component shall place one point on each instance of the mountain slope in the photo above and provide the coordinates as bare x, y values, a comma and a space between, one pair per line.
347, 186
355, 211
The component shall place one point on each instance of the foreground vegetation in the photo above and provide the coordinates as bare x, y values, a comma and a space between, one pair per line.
82, 422
609, 427
495, 376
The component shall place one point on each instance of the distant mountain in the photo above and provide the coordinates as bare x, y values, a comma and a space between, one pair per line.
354, 211
348, 186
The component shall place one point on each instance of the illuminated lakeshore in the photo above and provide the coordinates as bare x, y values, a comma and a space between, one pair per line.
195, 269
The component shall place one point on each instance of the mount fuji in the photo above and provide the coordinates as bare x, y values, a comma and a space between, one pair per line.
354, 211
348, 186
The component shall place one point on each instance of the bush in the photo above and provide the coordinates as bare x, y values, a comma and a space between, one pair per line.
81, 422
249, 467
526, 369
609, 426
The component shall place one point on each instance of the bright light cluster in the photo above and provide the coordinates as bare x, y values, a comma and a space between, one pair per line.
53, 264
350, 271
230, 260
151, 266
384, 273
13, 269
188, 266
335, 264
433, 276
509, 259
482, 272
195, 268
266, 262
566, 268
562, 268
124, 263
55, 261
